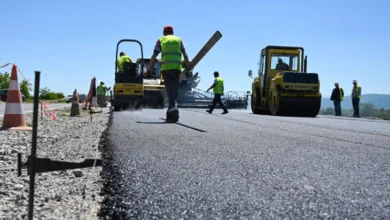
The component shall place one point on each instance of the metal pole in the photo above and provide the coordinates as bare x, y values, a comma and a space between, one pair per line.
34, 146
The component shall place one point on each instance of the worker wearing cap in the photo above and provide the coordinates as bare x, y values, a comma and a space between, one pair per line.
337, 96
218, 90
356, 96
101, 93
171, 48
122, 59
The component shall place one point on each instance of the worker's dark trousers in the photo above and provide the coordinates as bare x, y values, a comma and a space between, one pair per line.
217, 99
355, 104
101, 100
337, 107
171, 79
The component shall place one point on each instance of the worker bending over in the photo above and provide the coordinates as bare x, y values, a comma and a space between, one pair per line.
171, 48
218, 92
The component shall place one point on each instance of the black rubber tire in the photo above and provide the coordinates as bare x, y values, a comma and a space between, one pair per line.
254, 111
117, 108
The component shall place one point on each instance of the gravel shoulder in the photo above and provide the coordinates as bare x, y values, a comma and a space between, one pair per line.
59, 194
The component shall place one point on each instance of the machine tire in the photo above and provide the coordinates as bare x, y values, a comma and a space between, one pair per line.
274, 109
254, 110
117, 108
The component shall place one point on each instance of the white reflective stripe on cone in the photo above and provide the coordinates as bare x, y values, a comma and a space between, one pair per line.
13, 85
13, 108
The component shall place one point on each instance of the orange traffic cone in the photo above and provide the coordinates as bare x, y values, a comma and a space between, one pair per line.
14, 118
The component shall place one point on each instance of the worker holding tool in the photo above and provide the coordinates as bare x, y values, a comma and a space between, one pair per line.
356, 96
171, 48
122, 59
337, 96
218, 92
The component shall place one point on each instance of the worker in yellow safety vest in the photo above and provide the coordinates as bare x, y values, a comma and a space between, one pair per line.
171, 48
101, 94
218, 90
122, 59
356, 96
337, 96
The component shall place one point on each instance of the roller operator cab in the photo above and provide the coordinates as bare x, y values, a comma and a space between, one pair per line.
283, 86
128, 88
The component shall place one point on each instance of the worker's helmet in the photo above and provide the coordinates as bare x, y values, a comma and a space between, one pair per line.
168, 28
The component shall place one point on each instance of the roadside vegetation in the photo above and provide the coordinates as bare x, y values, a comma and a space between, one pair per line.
366, 110
26, 89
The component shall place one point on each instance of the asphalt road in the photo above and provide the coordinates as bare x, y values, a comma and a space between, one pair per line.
28, 107
245, 166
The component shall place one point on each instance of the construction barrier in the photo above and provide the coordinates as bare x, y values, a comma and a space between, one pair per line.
47, 111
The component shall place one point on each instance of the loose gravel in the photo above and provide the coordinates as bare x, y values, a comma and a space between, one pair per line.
68, 194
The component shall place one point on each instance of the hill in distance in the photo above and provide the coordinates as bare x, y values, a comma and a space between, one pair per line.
378, 100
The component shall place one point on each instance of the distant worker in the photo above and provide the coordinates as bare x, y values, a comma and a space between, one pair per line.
101, 93
122, 59
356, 96
337, 96
281, 65
218, 90
171, 48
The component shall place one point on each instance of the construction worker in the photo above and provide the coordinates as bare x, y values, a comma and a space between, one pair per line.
171, 48
281, 65
337, 96
218, 92
122, 59
356, 96
101, 93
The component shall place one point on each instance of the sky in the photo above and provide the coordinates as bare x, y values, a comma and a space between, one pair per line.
71, 41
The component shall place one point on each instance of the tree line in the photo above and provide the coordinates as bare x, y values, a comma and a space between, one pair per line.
365, 110
26, 89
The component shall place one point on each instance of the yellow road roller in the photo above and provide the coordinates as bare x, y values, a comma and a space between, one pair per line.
128, 88
282, 85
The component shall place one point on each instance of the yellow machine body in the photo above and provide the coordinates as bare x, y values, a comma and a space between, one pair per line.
290, 91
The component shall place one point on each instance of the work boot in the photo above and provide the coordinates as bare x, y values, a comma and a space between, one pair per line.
209, 111
173, 116
225, 112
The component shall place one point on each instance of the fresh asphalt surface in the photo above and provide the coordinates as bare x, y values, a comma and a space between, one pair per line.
245, 166
29, 107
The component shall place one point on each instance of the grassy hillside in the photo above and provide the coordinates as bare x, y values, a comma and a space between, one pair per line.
378, 100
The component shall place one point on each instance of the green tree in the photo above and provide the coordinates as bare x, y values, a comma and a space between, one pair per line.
46, 94
4, 80
25, 89
368, 110
43, 92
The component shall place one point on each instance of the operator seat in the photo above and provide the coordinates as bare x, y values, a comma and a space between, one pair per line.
129, 74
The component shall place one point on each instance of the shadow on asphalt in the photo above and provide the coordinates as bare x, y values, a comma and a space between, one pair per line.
187, 126
164, 122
